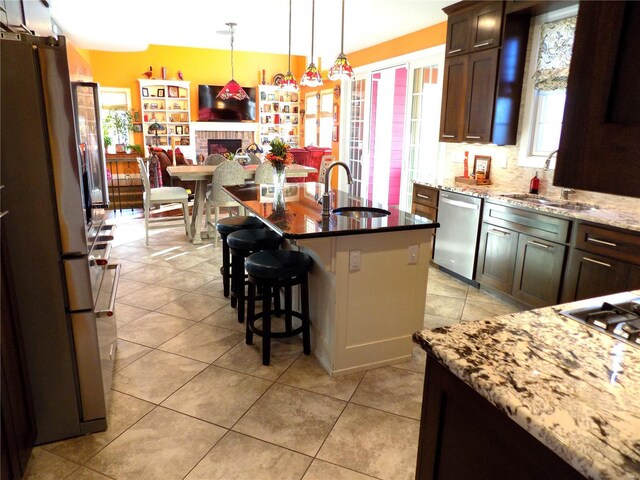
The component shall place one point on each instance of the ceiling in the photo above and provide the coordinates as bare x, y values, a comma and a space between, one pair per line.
262, 25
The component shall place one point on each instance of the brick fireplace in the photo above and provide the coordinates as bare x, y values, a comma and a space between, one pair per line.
202, 132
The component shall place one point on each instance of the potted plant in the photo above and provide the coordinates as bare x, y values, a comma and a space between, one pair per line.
121, 121
107, 142
135, 148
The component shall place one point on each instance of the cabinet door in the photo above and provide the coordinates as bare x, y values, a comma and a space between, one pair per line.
486, 25
538, 273
458, 33
590, 275
483, 67
601, 126
453, 98
497, 257
634, 278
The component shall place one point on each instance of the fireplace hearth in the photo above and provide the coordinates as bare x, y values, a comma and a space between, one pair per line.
223, 145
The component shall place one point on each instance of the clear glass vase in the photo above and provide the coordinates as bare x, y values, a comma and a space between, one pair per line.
278, 189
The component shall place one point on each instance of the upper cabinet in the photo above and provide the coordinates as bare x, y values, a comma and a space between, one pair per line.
599, 145
483, 78
473, 28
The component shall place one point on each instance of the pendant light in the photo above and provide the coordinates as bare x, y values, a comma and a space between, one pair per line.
341, 70
289, 83
232, 89
311, 77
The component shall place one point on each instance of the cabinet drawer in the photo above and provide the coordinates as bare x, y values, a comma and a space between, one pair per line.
426, 196
529, 222
427, 212
610, 243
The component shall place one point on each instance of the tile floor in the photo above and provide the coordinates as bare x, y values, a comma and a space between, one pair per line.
191, 401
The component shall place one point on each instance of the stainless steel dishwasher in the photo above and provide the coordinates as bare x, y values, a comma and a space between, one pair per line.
457, 237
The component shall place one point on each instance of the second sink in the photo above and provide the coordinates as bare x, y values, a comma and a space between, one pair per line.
361, 212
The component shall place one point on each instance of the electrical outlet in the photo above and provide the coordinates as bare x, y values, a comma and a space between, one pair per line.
412, 254
355, 258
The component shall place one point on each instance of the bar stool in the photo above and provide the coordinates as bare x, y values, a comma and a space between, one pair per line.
242, 244
225, 226
271, 271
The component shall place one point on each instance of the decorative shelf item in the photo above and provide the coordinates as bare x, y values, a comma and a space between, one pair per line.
165, 103
279, 115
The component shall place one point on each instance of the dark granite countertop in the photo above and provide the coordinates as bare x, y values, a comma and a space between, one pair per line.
303, 215
573, 388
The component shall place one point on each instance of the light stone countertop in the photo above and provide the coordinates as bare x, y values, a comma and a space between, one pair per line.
575, 389
614, 218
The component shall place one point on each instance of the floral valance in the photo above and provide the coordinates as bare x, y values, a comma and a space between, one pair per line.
554, 55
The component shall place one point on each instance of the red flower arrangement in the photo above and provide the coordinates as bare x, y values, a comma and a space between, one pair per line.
279, 155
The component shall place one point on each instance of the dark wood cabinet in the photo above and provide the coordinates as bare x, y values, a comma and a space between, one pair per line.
473, 26
26, 16
603, 261
599, 146
463, 436
425, 203
497, 257
483, 81
522, 253
539, 267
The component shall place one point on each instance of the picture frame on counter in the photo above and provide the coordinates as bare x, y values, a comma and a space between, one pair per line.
482, 166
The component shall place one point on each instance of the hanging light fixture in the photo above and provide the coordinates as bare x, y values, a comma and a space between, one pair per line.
232, 89
312, 77
289, 82
341, 68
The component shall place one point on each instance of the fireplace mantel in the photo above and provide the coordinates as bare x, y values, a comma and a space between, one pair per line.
200, 132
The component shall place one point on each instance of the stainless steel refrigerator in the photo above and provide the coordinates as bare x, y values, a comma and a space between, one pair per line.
64, 285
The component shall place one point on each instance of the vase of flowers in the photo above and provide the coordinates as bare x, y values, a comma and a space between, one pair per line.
279, 156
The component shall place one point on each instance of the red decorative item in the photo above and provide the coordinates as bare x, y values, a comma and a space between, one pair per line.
232, 89
148, 73
466, 164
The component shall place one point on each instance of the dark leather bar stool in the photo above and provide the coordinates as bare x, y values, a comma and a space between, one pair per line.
271, 271
242, 244
226, 226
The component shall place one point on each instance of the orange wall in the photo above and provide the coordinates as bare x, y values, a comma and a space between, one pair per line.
79, 64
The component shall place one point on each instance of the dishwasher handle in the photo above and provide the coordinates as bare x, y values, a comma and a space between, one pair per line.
458, 203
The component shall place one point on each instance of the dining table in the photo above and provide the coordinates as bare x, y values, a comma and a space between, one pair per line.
202, 175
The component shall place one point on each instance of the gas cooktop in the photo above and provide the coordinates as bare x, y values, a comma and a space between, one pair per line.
618, 316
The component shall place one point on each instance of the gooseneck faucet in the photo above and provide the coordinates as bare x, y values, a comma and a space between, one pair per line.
326, 195
547, 162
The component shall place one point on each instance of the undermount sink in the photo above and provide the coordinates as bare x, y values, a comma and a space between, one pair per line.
573, 206
548, 202
361, 212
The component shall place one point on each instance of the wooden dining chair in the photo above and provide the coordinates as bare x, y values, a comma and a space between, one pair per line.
229, 172
161, 196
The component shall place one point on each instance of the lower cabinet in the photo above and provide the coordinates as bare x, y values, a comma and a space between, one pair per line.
522, 253
463, 436
425, 203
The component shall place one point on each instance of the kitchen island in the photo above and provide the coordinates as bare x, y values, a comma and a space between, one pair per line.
369, 279
536, 394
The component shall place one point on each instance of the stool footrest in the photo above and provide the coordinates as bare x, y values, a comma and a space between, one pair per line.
293, 333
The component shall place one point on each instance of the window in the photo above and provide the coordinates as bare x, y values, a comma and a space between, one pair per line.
318, 118
550, 56
118, 99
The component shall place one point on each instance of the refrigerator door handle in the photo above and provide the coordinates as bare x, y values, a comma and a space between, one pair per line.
108, 312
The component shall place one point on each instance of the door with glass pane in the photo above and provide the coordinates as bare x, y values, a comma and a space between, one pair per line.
357, 153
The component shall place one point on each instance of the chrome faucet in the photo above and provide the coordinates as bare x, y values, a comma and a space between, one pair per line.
564, 193
326, 195
548, 160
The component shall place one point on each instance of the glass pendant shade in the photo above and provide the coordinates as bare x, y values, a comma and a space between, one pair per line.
341, 70
289, 83
311, 77
232, 89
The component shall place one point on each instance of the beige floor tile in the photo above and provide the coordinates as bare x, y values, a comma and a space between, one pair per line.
127, 314
124, 411
417, 363
193, 306
44, 465
480, 311
218, 395
125, 287
248, 359
306, 373
320, 470
203, 342
154, 329
120, 251
163, 445
393, 391
375, 443
443, 306
210, 267
213, 288
183, 260
291, 418
128, 266
186, 281
434, 321
151, 297
128, 352
156, 375
238, 457
226, 317
445, 285
84, 473
482, 296
150, 273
